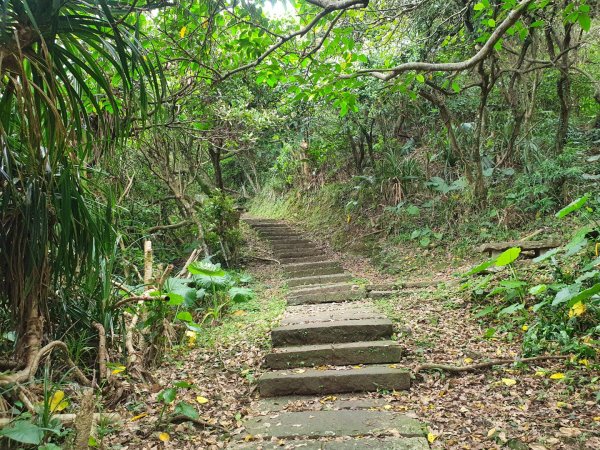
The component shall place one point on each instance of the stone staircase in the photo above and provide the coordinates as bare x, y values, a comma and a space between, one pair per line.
331, 340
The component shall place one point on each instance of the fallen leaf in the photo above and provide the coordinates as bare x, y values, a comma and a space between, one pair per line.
239, 312
468, 360
540, 373
491, 432
557, 376
431, 437
201, 400
138, 417
525, 327
164, 437
58, 401
577, 310
118, 369
299, 371
569, 431
509, 381
387, 407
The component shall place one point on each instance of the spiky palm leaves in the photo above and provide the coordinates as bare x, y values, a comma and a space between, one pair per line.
72, 76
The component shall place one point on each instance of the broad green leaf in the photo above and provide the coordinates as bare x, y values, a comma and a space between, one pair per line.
584, 295
548, 254
511, 309
206, 269
537, 290
566, 294
480, 268
168, 395
187, 410
508, 256
24, 432
573, 206
240, 294
184, 316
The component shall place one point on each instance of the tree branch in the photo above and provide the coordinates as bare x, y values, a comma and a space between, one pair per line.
388, 74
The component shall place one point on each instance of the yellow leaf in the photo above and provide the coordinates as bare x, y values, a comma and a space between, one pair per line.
577, 310
431, 437
540, 373
58, 401
387, 407
164, 437
561, 404
525, 327
299, 371
584, 362
118, 369
596, 419
557, 376
138, 417
239, 312
201, 400
491, 432
182, 32
329, 398
468, 360
509, 381
248, 438
392, 366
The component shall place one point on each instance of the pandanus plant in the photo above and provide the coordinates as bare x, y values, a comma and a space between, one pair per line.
73, 75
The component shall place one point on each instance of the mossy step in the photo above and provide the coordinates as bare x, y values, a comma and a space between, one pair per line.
320, 382
334, 332
318, 279
351, 353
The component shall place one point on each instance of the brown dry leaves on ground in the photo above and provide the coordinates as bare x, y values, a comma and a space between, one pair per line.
533, 407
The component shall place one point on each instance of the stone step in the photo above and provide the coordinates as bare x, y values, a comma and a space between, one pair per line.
299, 259
272, 226
291, 245
354, 443
295, 253
328, 297
330, 316
318, 279
320, 382
319, 309
316, 424
321, 288
312, 265
311, 272
312, 268
333, 332
373, 352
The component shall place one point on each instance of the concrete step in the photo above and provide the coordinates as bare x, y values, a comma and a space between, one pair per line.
318, 279
353, 443
332, 332
308, 315
299, 272
330, 297
291, 245
320, 382
299, 259
321, 288
316, 424
295, 253
373, 352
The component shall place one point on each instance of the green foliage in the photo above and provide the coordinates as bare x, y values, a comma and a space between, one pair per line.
564, 310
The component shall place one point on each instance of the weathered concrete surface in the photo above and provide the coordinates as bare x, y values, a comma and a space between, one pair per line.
341, 307
299, 259
373, 352
331, 297
332, 316
311, 265
333, 423
322, 288
297, 253
293, 245
318, 279
299, 272
304, 403
320, 382
375, 295
357, 443
332, 332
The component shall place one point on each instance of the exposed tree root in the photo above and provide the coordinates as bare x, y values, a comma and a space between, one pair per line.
485, 365
27, 374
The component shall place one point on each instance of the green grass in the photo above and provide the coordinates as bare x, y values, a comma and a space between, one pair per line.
251, 325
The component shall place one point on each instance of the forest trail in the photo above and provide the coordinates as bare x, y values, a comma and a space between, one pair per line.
331, 340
